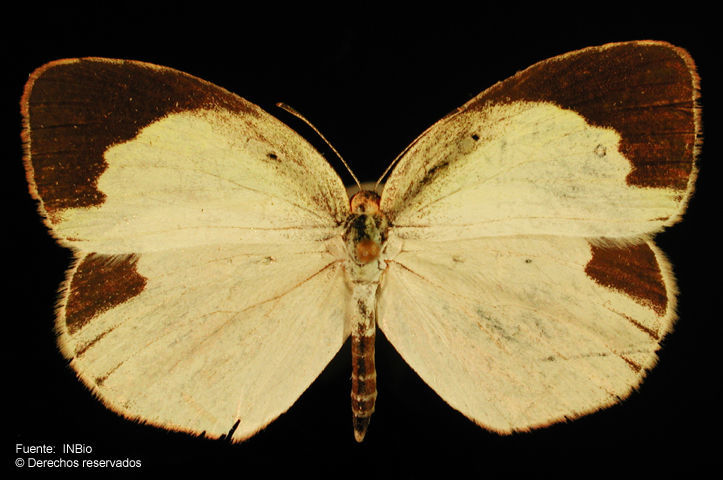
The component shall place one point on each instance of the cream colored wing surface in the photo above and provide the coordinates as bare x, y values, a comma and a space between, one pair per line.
203, 337
520, 332
205, 295
521, 283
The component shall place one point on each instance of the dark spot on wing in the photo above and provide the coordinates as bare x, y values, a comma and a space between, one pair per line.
435, 171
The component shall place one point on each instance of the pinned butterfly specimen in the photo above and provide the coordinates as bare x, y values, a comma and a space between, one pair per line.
220, 264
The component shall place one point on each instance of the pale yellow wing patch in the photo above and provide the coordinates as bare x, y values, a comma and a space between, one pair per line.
207, 177
524, 168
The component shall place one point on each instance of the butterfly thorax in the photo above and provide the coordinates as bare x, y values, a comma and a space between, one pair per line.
366, 228
364, 236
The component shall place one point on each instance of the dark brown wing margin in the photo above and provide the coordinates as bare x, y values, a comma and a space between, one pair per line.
75, 109
647, 91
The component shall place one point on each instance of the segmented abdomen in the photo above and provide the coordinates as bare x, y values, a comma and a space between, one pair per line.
363, 375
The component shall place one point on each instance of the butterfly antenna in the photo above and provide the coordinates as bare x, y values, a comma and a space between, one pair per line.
301, 117
396, 160
391, 165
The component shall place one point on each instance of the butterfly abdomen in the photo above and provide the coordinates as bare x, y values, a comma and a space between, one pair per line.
363, 374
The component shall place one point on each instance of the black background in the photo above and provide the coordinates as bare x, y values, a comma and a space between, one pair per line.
371, 81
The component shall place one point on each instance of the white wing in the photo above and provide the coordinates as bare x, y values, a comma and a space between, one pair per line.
521, 286
205, 292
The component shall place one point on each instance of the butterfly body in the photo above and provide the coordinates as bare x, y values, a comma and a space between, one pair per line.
365, 238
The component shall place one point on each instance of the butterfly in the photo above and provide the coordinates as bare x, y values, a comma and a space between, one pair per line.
220, 264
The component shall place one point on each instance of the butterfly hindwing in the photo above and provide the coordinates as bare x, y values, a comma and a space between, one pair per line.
208, 336
520, 332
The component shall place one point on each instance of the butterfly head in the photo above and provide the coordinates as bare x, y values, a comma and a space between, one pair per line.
365, 201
